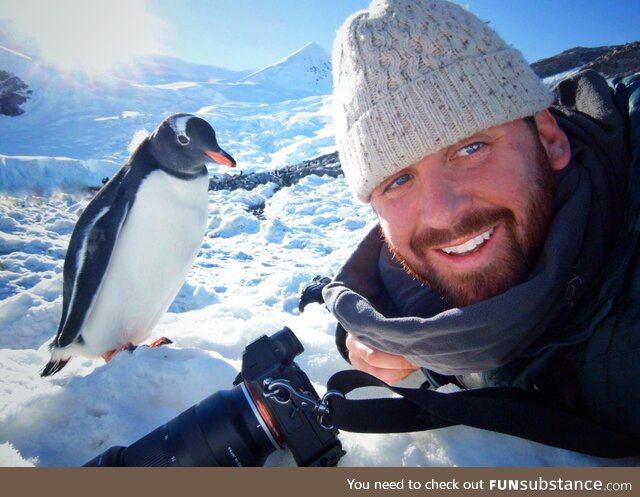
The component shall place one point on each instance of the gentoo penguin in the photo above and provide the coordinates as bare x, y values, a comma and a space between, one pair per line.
133, 245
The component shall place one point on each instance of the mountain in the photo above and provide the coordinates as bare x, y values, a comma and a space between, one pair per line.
308, 68
614, 60
619, 60
255, 113
162, 69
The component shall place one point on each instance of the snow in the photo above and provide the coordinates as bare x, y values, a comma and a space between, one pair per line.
244, 283
26, 173
309, 67
551, 81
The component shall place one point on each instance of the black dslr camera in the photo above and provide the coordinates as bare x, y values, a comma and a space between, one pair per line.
271, 406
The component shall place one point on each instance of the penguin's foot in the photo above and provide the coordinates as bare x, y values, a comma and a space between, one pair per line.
160, 341
107, 356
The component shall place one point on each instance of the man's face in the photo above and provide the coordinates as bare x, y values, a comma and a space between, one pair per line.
470, 220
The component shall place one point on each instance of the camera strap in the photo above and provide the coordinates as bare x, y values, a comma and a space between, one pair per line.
501, 409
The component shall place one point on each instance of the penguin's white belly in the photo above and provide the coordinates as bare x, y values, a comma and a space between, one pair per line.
155, 249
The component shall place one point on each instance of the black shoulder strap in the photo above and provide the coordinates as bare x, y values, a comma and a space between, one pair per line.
504, 410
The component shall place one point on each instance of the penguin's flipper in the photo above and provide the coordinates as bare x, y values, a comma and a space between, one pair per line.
87, 258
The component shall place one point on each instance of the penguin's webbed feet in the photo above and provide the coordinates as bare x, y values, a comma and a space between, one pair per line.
160, 341
107, 356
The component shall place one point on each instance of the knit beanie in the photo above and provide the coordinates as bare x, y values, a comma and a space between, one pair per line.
414, 76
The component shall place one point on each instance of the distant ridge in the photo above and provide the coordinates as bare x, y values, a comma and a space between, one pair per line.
162, 69
614, 60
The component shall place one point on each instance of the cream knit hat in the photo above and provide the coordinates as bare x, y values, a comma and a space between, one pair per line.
414, 76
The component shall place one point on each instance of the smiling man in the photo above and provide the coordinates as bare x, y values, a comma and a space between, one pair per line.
506, 244
470, 219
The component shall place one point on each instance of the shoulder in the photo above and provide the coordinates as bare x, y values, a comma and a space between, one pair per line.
607, 364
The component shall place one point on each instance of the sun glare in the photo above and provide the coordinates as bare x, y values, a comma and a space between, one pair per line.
83, 35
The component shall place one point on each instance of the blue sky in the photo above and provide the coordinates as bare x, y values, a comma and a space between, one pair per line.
251, 33
246, 34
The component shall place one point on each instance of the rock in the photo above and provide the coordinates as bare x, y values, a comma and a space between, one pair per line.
13, 93
615, 60
287, 176
621, 60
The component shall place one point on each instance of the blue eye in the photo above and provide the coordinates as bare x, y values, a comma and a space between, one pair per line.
399, 181
470, 149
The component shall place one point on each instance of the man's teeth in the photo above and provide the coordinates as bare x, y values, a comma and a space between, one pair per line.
469, 245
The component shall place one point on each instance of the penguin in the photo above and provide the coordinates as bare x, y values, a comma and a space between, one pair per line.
134, 243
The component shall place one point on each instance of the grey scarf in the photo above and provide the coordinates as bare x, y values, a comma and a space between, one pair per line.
380, 304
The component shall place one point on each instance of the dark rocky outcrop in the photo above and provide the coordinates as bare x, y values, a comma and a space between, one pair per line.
324, 165
13, 93
621, 60
569, 59
615, 60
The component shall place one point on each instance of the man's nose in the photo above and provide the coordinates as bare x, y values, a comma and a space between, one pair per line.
443, 202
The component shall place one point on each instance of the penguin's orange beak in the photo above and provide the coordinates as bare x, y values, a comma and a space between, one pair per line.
221, 158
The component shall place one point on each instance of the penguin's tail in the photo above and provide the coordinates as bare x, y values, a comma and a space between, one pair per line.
53, 367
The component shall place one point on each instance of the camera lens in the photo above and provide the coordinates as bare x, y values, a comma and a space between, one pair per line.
225, 429
242, 426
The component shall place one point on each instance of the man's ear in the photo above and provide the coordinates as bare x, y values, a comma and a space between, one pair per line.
553, 139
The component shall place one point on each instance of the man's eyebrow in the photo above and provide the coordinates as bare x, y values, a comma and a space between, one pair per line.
474, 137
480, 136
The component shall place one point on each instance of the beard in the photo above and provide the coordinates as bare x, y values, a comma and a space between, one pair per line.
518, 254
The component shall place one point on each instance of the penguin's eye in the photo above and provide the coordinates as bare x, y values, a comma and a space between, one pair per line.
184, 140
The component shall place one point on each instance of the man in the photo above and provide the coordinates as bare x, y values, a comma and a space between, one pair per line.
506, 249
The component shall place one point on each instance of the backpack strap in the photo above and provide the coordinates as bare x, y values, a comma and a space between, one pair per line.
501, 409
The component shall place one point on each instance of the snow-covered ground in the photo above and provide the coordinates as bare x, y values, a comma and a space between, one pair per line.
245, 282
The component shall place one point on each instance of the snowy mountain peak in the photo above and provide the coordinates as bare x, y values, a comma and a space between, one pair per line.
307, 69
309, 50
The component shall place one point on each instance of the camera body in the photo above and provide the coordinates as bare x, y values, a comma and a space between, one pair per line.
272, 405
268, 362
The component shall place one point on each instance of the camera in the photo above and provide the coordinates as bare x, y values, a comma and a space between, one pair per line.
272, 405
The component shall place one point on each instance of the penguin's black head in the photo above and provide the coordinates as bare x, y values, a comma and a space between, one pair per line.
184, 143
